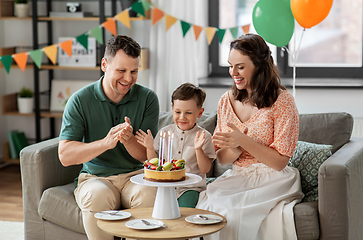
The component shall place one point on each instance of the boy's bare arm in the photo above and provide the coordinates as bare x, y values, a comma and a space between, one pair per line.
204, 162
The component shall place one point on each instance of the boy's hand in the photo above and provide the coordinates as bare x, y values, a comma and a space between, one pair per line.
199, 140
144, 139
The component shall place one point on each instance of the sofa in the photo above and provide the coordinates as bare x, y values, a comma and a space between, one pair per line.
50, 210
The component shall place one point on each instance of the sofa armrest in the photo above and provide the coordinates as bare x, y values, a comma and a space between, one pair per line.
41, 169
340, 193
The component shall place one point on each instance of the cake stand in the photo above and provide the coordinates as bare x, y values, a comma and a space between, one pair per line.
166, 204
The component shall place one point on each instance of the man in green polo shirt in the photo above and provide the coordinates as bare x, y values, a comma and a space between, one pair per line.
98, 127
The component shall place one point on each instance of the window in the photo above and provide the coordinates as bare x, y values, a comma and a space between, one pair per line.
331, 49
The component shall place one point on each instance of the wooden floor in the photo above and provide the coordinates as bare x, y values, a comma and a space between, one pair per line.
11, 202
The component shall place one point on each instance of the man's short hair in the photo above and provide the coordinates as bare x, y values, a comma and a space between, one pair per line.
123, 42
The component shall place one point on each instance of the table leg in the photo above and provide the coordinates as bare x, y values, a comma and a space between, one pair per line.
166, 205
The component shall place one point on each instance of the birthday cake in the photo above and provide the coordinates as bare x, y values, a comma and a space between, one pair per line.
171, 171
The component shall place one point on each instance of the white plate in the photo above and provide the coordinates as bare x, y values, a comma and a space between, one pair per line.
139, 225
212, 219
112, 215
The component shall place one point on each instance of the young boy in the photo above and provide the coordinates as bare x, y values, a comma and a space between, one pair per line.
191, 142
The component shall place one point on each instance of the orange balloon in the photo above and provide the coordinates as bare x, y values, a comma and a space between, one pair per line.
309, 13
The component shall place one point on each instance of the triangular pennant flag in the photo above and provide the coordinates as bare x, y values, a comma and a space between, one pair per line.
7, 60
124, 18
157, 15
67, 47
36, 55
185, 27
220, 34
146, 5
110, 25
97, 33
246, 28
83, 40
20, 59
51, 52
169, 21
234, 32
197, 30
210, 31
139, 8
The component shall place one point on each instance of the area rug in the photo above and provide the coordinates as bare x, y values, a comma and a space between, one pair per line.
11, 230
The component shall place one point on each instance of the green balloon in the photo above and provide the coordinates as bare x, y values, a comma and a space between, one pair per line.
273, 20
287, 2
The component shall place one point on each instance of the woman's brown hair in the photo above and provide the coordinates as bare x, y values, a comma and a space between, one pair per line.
265, 83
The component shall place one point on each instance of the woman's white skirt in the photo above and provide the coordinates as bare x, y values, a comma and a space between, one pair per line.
257, 201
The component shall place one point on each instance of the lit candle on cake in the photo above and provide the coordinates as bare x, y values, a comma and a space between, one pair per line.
161, 139
168, 157
171, 148
162, 153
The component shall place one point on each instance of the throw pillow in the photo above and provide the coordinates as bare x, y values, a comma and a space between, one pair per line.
307, 158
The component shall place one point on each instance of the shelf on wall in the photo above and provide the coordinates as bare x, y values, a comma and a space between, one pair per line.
6, 154
15, 18
45, 18
9, 108
16, 66
84, 18
55, 67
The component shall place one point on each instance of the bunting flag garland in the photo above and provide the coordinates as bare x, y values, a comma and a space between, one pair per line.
7, 60
140, 7
83, 40
51, 52
169, 21
185, 27
124, 18
246, 28
157, 15
20, 59
146, 5
110, 25
97, 33
234, 32
210, 31
67, 47
37, 56
220, 34
197, 30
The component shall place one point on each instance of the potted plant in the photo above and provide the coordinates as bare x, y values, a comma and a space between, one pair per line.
25, 100
21, 8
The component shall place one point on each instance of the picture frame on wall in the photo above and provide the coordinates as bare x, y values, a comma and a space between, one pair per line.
62, 90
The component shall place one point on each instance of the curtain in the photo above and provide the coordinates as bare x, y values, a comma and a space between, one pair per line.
175, 59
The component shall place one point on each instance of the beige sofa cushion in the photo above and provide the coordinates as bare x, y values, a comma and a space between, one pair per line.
326, 128
307, 220
58, 206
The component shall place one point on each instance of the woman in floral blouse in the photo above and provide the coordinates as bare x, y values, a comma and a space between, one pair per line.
257, 131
